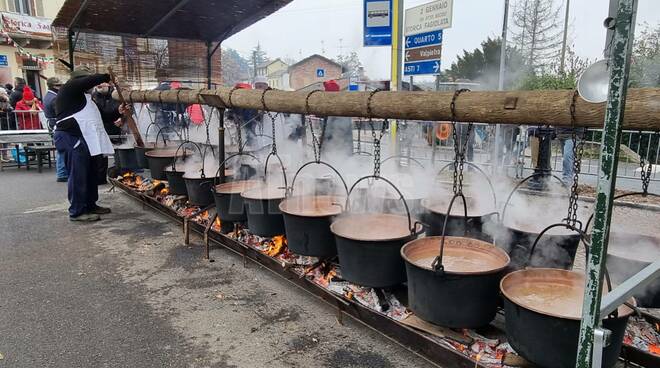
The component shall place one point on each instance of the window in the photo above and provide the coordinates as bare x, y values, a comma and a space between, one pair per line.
24, 7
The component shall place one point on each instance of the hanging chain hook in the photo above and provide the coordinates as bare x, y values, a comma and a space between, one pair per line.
460, 144
316, 143
578, 150
646, 170
272, 119
376, 138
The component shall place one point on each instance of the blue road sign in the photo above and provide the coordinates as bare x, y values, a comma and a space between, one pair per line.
424, 39
320, 73
3, 60
422, 67
377, 22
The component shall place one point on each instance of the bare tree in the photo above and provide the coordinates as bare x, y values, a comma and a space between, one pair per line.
537, 32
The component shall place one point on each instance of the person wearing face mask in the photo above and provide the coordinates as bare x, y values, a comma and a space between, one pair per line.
80, 133
54, 85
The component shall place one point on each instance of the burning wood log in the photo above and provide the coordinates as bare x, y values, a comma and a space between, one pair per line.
495, 107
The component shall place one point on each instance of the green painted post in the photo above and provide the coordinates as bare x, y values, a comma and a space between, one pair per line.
619, 64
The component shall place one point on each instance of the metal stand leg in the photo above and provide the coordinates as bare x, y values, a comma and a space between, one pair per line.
206, 238
186, 231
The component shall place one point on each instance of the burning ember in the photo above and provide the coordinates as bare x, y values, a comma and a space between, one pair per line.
203, 218
643, 336
277, 246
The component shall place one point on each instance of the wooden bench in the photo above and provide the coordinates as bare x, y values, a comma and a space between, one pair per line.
38, 153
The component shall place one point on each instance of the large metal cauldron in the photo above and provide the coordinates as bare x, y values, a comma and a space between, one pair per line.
307, 222
176, 182
369, 246
159, 159
543, 310
472, 226
199, 187
627, 254
464, 293
127, 158
228, 201
263, 213
140, 156
556, 248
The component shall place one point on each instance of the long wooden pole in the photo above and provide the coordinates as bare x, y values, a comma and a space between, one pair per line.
642, 110
128, 116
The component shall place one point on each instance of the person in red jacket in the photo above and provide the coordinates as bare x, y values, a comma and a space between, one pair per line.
27, 111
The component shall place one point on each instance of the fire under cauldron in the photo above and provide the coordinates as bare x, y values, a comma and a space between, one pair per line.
543, 309
464, 292
627, 254
307, 222
263, 213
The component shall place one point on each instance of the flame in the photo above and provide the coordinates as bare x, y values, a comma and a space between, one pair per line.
478, 358
128, 174
164, 191
276, 246
217, 224
325, 279
654, 349
204, 215
138, 181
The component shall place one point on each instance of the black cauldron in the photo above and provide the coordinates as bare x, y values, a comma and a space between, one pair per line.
464, 292
263, 212
307, 222
543, 310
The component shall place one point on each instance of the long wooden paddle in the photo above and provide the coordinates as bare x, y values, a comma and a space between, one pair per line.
127, 117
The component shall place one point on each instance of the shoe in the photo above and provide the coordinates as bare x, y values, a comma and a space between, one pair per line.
98, 210
86, 217
62, 180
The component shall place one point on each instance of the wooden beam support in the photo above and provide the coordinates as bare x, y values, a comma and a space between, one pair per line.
642, 110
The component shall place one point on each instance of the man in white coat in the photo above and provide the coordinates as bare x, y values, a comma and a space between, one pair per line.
81, 137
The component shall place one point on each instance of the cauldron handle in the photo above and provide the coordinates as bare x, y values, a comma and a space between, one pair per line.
515, 189
437, 262
490, 183
286, 187
146, 135
403, 156
586, 227
583, 237
293, 182
411, 226
222, 164
206, 147
176, 154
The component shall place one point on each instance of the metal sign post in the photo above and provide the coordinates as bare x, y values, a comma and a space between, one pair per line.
619, 66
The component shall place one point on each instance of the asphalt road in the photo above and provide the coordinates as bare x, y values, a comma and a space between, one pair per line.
125, 292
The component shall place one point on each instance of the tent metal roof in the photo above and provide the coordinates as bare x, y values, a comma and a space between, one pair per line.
202, 20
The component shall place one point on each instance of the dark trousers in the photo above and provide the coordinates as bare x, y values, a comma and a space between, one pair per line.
83, 178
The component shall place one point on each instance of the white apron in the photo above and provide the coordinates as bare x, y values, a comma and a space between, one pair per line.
91, 125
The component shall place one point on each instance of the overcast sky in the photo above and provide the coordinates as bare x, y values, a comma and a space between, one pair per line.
305, 27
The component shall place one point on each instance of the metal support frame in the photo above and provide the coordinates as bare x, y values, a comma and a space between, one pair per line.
628, 288
221, 144
619, 66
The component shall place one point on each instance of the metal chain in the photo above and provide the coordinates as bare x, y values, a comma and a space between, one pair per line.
359, 142
460, 145
238, 120
578, 150
377, 138
272, 119
316, 145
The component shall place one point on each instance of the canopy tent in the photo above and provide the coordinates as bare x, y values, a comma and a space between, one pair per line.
125, 34
201, 20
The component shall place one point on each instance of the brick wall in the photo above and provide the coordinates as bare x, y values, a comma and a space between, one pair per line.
304, 74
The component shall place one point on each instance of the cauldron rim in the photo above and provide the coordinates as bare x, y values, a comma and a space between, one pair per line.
576, 279
489, 249
331, 209
458, 204
334, 227
230, 187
